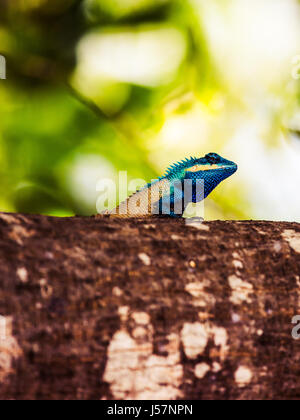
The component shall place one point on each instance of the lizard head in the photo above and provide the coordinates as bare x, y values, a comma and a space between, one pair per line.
213, 164
212, 169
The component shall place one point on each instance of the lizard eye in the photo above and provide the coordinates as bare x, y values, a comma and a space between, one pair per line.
212, 158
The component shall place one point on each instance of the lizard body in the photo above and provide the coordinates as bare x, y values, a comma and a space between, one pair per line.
168, 195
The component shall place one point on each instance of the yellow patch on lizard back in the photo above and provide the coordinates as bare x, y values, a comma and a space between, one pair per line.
198, 168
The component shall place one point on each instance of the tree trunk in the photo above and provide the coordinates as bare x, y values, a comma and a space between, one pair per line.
101, 308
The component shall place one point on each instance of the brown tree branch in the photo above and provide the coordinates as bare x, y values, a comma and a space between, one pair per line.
97, 308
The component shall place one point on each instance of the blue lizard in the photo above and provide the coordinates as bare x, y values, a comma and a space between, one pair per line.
190, 180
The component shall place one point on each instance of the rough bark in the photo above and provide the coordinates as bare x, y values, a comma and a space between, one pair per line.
100, 308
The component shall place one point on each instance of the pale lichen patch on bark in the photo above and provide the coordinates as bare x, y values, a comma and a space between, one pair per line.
135, 373
293, 238
216, 367
240, 290
201, 369
141, 318
9, 218
123, 312
202, 298
194, 337
235, 318
298, 289
221, 340
116, 291
243, 376
19, 233
139, 333
9, 348
277, 247
145, 258
22, 274
238, 264
195, 289
237, 261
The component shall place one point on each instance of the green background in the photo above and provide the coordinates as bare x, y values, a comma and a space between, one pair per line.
95, 87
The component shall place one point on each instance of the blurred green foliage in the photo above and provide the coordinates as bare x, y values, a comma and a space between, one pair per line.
49, 118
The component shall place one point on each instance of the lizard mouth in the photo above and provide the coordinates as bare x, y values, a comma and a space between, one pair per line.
199, 168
